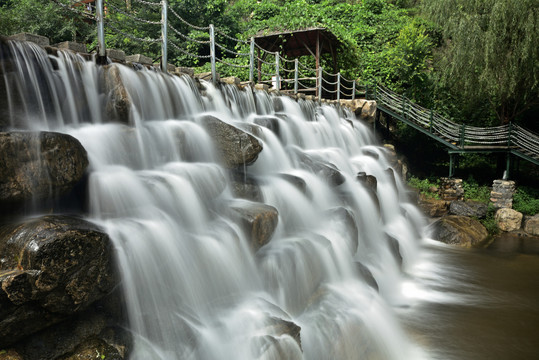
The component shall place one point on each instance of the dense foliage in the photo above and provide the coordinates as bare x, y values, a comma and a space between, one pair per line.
472, 60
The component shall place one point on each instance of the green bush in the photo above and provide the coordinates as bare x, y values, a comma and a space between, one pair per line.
424, 186
526, 200
489, 222
474, 191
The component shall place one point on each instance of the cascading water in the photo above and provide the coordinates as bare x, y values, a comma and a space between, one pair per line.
193, 285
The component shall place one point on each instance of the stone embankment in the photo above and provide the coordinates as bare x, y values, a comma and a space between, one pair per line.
456, 221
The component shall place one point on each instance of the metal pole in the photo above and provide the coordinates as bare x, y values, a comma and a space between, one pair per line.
252, 61
164, 21
212, 55
277, 79
451, 166
320, 83
353, 90
102, 53
296, 75
338, 87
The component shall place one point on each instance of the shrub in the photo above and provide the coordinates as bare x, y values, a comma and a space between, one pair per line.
424, 186
526, 200
474, 191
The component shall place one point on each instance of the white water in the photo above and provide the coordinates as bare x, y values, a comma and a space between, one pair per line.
194, 287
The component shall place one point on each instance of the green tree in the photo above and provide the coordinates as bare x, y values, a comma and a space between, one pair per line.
46, 18
489, 61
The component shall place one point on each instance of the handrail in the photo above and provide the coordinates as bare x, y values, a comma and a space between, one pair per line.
511, 137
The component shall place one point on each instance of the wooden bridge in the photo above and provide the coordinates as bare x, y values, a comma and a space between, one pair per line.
511, 139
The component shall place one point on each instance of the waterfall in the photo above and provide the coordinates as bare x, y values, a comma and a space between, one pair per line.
194, 286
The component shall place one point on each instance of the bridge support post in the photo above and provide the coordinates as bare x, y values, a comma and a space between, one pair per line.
451, 165
164, 24
102, 52
508, 163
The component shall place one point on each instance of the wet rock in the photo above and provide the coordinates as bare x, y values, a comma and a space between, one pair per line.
298, 182
468, 208
366, 274
508, 219
93, 349
118, 105
50, 268
321, 168
37, 165
459, 230
394, 247
72, 338
273, 345
531, 225
369, 181
10, 355
365, 109
258, 220
271, 123
345, 225
237, 148
433, 207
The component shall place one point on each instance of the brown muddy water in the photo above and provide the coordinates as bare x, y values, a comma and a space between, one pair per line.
476, 304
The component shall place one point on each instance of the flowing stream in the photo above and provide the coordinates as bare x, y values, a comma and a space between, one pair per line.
195, 288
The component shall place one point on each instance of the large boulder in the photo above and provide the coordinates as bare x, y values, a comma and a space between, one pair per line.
508, 219
433, 207
76, 338
236, 147
258, 220
531, 225
38, 165
50, 268
475, 209
459, 230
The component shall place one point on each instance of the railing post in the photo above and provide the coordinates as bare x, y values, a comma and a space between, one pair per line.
212, 55
462, 135
319, 90
338, 87
431, 120
252, 60
354, 90
296, 75
277, 78
102, 53
509, 135
164, 24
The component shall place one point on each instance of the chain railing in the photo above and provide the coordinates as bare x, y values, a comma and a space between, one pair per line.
511, 137
287, 75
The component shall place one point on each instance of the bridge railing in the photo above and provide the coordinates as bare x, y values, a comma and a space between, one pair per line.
512, 137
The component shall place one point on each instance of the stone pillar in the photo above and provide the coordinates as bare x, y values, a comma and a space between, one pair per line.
451, 189
502, 193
